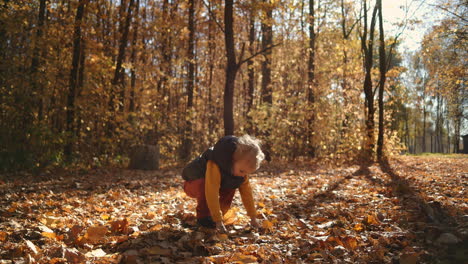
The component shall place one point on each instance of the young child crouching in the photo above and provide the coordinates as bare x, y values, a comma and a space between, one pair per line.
213, 177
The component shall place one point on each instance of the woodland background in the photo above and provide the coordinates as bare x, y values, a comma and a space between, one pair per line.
81, 81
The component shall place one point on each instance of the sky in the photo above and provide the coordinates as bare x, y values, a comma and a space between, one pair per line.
397, 11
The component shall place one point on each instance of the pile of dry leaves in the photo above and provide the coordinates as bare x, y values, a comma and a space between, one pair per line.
413, 210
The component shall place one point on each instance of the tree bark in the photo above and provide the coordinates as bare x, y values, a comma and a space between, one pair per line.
367, 47
70, 128
231, 68
311, 80
36, 61
187, 144
267, 40
118, 80
133, 58
251, 70
383, 72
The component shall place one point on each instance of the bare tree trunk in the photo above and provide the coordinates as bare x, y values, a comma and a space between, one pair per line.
311, 80
211, 49
267, 40
367, 47
133, 58
36, 61
118, 79
424, 121
187, 142
231, 68
383, 72
250, 69
70, 128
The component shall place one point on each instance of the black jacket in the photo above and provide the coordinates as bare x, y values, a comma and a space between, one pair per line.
221, 154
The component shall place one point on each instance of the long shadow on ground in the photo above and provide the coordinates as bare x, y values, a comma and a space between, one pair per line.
428, 220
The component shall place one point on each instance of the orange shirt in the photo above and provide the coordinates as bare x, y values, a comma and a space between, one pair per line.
212, 185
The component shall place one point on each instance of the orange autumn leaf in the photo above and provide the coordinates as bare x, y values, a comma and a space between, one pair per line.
3, 236
95, 234
120, 226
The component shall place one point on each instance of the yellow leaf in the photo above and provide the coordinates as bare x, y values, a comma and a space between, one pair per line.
358, 227
267, 224
105, 217
49, 235
243, 258
372, 220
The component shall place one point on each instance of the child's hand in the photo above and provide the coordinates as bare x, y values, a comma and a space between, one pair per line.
220, 227
254, 223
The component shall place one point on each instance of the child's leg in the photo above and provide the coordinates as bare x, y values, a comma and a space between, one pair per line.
196, 189
225, 199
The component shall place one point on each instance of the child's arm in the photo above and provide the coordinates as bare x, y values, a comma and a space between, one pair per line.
247, 199
212, 185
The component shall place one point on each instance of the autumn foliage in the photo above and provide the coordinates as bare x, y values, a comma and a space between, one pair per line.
410, 211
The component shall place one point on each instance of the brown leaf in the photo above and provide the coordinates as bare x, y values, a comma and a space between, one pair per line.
120, 226
409, 258
3, 236
350, 242
73, 255
157, 250
95, 234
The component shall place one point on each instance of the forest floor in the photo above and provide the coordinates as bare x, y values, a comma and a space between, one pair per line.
412, 210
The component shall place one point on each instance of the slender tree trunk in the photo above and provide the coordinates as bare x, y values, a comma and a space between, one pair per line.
424, 120
231, 68
74, 78
211, 53
383, 72
133, 58
251, 70
36, 61
118, 79
367, 47
187, 144
311, 80
267, 40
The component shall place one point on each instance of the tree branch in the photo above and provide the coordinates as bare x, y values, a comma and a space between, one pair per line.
213, 16
258, 53
450, 12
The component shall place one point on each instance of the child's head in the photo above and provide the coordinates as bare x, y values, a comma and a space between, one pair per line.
247, 156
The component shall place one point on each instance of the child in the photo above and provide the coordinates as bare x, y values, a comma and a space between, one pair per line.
213, 177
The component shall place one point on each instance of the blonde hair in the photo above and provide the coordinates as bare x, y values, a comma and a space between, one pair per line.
248, 148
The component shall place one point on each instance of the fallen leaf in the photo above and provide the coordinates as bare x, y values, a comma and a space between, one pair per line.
73, 255
120, 226
157, 250
409, 258
3, 236
95, 234
97, 253
243, 258
222, 237
372, 220
267, 225
49, 235
32, 247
